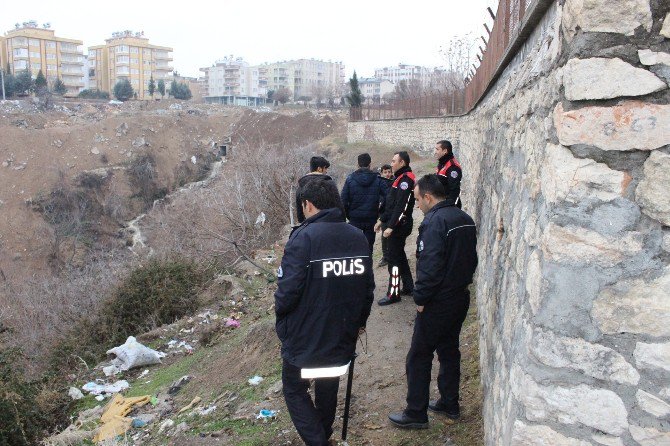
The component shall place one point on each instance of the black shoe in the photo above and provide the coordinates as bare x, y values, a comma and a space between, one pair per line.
406, 292
388, 300
382, 262
438, 406
401, 420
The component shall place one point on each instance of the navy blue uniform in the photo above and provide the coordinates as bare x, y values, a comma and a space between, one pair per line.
450, 174
447, 259
362, 192
325, 291
397, 215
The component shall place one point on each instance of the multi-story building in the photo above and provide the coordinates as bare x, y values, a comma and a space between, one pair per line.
375, 89
404, 72
128, 55
306, 77
233, 81
29, 47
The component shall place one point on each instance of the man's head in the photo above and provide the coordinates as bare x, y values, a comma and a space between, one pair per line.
364, 160
386, 171
317, 195
318, 164
399, 160
428, 192
442, 148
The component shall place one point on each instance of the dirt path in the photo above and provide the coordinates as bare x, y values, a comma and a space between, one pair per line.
380, 382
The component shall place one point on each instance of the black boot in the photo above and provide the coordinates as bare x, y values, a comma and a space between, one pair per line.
400, 419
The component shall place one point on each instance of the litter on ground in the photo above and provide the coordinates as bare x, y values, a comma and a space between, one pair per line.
114, 420
102, 389
230, 322
130, 355
256, 380
265, 414
190, 405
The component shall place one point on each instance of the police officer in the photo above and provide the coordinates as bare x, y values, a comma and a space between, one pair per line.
386, 176
397, 218
318, 168
446, 246
325, 291
449, 170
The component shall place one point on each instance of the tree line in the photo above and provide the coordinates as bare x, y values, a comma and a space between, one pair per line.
23, 84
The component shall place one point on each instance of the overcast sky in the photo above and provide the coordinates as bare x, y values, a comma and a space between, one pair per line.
363, 34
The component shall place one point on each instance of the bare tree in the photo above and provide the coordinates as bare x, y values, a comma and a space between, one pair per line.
282, 95
458, 55
318, 92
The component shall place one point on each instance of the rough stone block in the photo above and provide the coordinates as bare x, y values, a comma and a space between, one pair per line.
652, 193
597, 408
621, 16
606, 440
665, 30
591, 359
635, 306
647, 436
537, 435
627, 126
601, 78
578, 246
649, 57
571, 179
651, 404
665, 393
652, 356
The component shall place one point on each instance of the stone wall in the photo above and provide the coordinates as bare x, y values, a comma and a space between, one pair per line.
567, 173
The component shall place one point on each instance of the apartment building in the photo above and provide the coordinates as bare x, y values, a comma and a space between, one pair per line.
33, 48
232, 80
375, 89
404, 72
128, 55
305, 77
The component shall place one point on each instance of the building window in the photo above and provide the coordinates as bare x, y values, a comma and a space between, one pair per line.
134, 71
20, 65
122, 59
122, 70
20, 41
134, 61
122, 49
51, 44
34, 55
134, 50
51, 67
92, 54
51, 56
91, 72
20, 52
34, 42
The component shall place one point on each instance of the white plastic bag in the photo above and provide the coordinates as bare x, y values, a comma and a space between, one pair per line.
130, 355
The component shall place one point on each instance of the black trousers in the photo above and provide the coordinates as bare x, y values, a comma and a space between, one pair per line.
312, 420
397, 257
435, 329
368, 230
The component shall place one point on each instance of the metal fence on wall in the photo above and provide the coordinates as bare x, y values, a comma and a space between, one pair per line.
505, 32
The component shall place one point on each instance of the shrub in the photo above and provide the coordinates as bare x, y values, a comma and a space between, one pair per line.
155, 294
93, 94
142, 174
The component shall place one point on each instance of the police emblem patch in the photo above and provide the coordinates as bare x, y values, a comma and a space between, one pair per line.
421, 245
404, 185
454, 174
280, 272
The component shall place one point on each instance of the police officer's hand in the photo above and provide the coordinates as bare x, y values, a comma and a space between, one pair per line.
387, 232
419, 308
378, 226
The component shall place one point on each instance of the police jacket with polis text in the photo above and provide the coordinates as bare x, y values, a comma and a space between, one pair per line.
447, 255
399, 203
450, 174
325, 291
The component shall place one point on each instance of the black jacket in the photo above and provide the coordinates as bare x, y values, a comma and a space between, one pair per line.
361, 195
447, 255
301, 182
450, 174
325, 291
399, 203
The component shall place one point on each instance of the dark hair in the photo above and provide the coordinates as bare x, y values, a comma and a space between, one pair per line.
431, 184
318, 161
445, 145
386, 167
322, 193
403, 156
364, 160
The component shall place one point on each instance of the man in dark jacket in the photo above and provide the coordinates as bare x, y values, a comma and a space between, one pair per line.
325, 291
386, 176
449, 171
397, 219
447, 250
361, 195
318, 167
